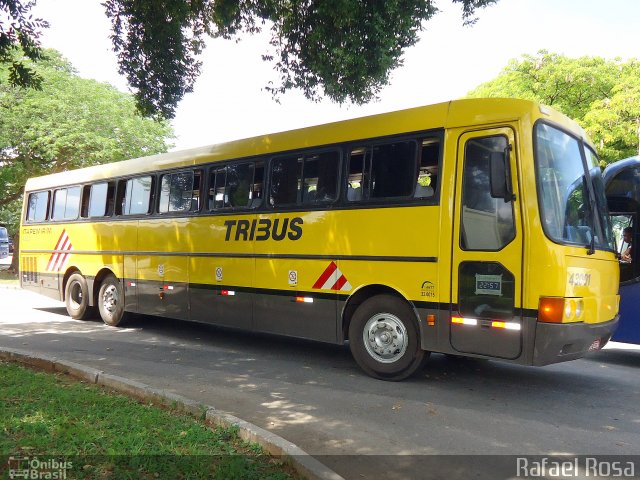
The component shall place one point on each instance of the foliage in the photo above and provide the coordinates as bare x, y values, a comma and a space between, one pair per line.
70, 123
19, 33
344, 49
602, 95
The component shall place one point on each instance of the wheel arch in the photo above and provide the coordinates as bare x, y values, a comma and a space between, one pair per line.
363, 294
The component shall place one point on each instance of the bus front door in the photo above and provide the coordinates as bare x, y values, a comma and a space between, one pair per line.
486, 289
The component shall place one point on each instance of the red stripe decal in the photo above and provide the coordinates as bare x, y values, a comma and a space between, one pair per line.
325, 275
340, 283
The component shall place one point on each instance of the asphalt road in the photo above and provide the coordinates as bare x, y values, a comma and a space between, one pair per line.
315, 396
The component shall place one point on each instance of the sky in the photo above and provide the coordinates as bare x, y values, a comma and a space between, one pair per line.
229, 100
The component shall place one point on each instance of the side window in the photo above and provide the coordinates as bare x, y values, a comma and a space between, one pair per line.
382, 171
320, 173
286, 174
177, 193
217, 188
237, 185
100, 200
59, 204
428, 169
37, 207
239, 182
305, 179
134, 196
487, 223
257, 192
66, 203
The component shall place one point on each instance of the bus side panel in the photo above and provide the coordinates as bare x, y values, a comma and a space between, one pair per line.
219, 291
286, 273
221, 271
44, 253
162, 267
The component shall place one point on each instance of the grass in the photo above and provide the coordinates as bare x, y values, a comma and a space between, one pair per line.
108, 435
7, 278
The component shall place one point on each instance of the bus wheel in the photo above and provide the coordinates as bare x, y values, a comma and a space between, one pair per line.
76, 298
111, 301
384, 338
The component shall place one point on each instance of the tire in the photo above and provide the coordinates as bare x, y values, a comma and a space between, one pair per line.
384, 338
76, 298
111, 301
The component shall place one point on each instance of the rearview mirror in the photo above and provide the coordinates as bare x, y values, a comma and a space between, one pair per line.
500, 177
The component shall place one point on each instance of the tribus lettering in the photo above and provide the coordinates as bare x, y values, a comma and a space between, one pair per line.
264, 229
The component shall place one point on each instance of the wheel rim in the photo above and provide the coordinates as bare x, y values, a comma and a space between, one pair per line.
75, 295
385, 338
110, 299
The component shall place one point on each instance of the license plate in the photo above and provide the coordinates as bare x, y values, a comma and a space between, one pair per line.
595, 345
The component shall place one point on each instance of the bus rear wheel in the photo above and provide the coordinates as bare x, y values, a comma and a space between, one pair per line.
76, 298
384, 338
111, 301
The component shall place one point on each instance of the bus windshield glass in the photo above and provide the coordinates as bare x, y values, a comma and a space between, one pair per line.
571, 199
4, 237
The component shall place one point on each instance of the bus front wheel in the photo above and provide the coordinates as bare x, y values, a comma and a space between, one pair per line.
76, 298
111, 301
384, 338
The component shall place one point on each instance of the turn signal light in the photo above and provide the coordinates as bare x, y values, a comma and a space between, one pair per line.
551, 310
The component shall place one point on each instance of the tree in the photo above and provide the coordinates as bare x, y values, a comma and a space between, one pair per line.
19, 33
69, 123
601, 95
343, 49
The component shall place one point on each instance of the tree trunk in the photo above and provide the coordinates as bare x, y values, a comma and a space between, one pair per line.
14, 260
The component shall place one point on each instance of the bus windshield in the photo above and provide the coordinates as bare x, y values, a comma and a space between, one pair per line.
572, 202
3, 235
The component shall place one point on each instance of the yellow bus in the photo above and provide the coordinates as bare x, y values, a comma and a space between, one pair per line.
474, 227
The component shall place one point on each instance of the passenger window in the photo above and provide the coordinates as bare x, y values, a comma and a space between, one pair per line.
66, 203
382, 171
286, 174
428, 169
134, 196
305, 180
236, 186
100, 200
256, 187
487, 222
38, 207
177, 192
239, 181
320, 178
217, 189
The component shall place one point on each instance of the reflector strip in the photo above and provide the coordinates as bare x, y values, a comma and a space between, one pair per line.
304, 299
227, 293
464, 321
506, 325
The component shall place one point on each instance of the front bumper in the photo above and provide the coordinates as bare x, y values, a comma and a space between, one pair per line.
559, 342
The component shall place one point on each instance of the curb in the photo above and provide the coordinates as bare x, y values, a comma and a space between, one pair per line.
275, 445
